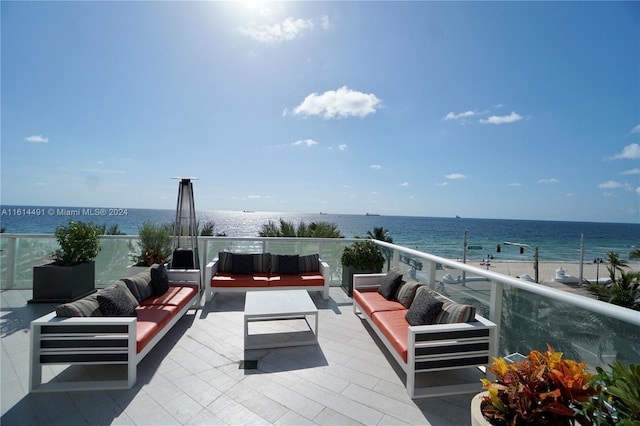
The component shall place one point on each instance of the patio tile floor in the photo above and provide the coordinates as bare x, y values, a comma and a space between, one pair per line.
193, 377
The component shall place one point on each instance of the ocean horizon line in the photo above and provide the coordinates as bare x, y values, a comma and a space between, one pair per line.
9, 210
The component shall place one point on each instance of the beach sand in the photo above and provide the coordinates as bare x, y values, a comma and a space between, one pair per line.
547, 272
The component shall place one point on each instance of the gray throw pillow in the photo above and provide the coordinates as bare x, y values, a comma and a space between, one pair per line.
88, 306
242, 264
159, 279
289, 264
406, 292
390, 283
225, 261
309, 263
117, 301
140, 285
423, 309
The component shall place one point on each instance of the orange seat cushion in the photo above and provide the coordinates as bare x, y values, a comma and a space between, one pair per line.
151, 319
301, 279
177, 295
227, 279
372, 301
395, 328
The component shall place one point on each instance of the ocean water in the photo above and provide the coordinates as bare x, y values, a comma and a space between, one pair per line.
556, 241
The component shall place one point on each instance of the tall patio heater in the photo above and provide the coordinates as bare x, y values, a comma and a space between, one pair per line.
185, 231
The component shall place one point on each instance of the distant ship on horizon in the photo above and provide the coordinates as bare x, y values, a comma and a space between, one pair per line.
372, 214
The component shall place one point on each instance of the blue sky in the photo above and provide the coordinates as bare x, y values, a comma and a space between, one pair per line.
489, 109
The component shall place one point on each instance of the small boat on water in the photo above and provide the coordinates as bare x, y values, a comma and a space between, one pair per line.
371, 214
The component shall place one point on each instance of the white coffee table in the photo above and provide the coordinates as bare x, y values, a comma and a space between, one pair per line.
279, 305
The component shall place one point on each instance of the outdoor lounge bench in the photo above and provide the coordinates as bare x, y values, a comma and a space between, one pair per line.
80, 333
453, 351
238, 272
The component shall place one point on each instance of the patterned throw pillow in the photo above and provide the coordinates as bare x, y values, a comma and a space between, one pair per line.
225, 261
117, 301
86, 307
159, 279
261, 262
454, 312
140, 285
390, 283
406, 292
309, 263
242, 264
424, 309
288, 264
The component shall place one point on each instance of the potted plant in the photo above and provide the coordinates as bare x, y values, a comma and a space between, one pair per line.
618, 402
544, 389
154, 245
361, 257
71, 275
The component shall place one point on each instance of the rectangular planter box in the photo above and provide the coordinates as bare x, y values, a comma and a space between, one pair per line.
347, 278
60, 284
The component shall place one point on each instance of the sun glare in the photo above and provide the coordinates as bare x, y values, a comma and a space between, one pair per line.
257, 7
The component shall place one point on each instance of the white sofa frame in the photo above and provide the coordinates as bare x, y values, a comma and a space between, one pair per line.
91, 341
212, 269
436, 347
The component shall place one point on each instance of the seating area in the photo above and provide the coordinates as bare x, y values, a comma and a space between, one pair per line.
241, 272
115, 327
426, 333
197, 374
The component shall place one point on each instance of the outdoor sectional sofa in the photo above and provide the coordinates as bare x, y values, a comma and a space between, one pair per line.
119, 324
454, 354
240, 272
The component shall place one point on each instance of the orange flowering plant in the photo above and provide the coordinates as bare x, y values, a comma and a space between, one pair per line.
544, 389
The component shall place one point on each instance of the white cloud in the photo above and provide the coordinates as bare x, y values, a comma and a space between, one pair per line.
306, 142
612, 184
286, 30
514, 184
631, 172
636, 129
442, 184
37, 139
629, 152
501, 119
549, 180
104, 171
342, 147
455, 176
376, 166
462, 115
324, 22
404, 184
340, 103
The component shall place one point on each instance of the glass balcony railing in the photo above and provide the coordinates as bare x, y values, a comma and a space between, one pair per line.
529, 315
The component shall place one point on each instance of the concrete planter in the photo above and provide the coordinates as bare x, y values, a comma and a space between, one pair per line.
477, 419
60, 284
347, 277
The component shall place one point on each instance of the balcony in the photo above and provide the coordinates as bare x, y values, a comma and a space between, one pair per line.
194, 377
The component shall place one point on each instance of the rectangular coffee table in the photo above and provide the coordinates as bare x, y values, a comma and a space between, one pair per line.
280, 305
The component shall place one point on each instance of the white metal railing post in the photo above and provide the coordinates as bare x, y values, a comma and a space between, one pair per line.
495, 313
433, 266
396, 258
205, 256
11, 262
